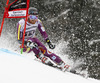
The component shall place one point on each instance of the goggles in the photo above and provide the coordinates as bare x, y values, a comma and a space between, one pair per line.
32, 17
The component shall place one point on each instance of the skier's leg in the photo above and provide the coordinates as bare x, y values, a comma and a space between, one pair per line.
47, 53
44, 50
34, 45
58, 61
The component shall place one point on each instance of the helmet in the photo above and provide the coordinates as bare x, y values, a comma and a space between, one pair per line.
32, 11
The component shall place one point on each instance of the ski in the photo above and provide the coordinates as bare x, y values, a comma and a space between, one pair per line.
51, 64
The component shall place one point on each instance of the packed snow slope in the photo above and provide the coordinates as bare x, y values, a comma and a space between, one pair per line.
15, 68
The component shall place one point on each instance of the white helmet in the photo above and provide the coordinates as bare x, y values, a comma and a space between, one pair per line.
32, 11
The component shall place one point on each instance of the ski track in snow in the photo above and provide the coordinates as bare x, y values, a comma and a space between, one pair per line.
55, 18
94, 41
15, 68
61, 46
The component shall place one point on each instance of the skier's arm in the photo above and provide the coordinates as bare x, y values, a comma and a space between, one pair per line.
19, 35
20, 31
42, 31
45, 36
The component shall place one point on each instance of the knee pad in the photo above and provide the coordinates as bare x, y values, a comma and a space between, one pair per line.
31, 44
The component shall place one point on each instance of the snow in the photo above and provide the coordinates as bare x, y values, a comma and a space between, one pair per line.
94, 41
15, 68
52, 2
55, 18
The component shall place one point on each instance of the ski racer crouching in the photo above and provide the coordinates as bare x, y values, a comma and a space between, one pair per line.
33, 44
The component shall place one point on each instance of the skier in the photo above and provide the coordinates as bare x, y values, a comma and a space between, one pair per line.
33, 44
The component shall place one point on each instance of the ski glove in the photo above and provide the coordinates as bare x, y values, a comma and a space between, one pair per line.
31, 44
50, 44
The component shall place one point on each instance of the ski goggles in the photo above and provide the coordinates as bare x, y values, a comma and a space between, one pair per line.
32, 17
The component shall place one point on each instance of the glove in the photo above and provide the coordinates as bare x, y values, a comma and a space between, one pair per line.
31, 44
50, 44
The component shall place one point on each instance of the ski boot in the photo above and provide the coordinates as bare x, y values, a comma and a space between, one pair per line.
64, 67
44, 59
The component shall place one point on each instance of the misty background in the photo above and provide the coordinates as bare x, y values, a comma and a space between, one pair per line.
74, 21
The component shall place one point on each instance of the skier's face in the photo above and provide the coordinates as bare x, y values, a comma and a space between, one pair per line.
32, 19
